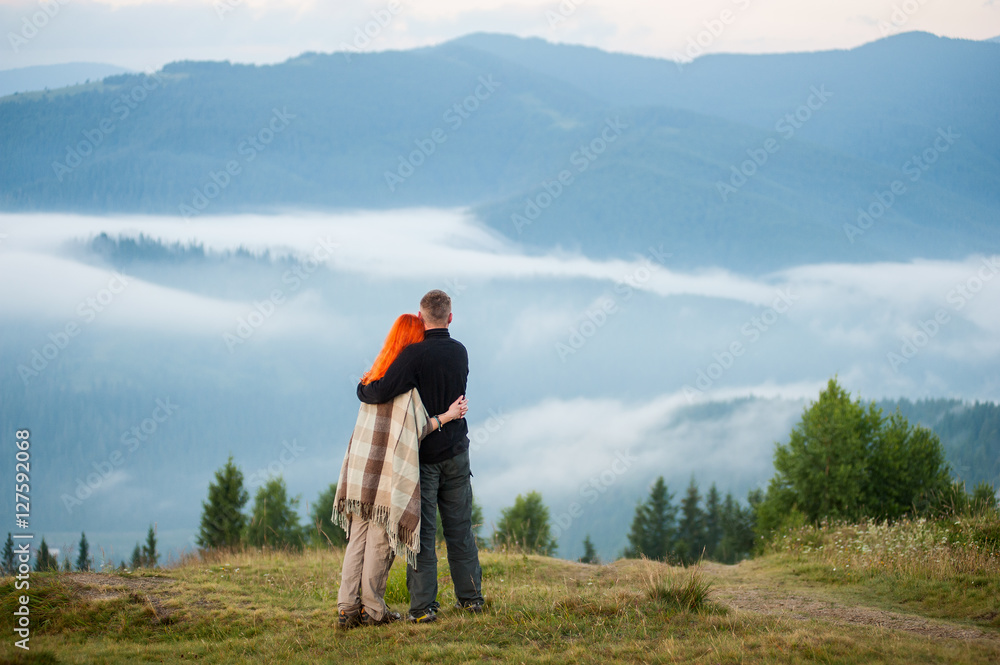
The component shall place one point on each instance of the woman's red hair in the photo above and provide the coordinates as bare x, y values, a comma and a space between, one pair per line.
407, 329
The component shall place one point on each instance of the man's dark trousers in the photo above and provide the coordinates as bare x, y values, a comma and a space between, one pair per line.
446, 486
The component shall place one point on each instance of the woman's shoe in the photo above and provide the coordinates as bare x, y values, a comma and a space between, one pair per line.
348, 618
387, 617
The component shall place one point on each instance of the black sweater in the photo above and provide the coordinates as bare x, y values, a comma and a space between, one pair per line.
438, 368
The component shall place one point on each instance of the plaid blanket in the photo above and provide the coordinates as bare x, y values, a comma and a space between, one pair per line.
380, 476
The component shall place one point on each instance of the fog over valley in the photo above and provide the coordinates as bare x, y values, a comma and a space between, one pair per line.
146, 350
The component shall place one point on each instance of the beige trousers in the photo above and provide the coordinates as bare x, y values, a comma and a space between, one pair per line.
367, 561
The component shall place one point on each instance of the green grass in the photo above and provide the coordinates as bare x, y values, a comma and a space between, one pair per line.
276, 607
947, 569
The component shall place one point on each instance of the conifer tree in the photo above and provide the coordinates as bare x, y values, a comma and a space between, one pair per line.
737, 540
149, 553
222, 521
690, 541
83, 561
589, 553
44, 561
713, 521
654, 525
7, 560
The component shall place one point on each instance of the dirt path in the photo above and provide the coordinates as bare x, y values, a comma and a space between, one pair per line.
748, 594
148, 591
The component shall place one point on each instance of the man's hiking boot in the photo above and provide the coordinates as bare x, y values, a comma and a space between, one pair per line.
387, 617
422, 616
475, 606
348, 619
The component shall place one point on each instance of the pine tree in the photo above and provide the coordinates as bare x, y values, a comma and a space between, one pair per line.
275, 521
690, 541
7, 561
653, 527
83, 561
66, 565
526, 525
589, 553
44, 561
223, 522
137, 557
713, 522
324, 532
737, 540
149, 553
726, 552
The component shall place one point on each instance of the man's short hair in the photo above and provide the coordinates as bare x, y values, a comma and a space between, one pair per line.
436, 306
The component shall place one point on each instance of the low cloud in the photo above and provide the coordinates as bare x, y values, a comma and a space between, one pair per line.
558, 445
799, 325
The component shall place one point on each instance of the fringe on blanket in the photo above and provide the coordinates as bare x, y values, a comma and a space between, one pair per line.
404, 542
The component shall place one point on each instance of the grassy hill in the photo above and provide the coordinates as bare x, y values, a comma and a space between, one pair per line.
913, 593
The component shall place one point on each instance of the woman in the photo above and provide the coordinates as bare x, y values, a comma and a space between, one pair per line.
378, 495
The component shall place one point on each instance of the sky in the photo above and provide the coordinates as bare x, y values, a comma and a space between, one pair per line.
146, 34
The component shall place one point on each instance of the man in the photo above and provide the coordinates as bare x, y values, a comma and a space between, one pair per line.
439, 369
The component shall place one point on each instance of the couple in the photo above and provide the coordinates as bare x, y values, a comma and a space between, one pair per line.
407, 458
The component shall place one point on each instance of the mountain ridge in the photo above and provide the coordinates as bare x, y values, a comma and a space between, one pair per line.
419, 128
41, 77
